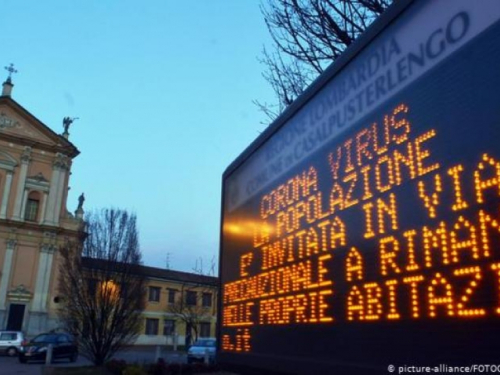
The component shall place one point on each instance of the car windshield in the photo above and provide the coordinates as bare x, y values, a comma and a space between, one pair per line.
205, 343
45, 338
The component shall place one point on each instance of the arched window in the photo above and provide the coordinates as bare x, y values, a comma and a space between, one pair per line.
32, 205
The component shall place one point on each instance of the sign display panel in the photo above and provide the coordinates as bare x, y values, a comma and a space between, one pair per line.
365, 232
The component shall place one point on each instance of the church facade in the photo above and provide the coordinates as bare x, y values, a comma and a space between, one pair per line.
35, 165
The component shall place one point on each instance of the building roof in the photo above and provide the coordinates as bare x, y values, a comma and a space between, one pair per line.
158, 273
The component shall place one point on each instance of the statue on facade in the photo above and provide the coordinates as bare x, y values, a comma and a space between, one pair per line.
67, 121
79, 210
81, 199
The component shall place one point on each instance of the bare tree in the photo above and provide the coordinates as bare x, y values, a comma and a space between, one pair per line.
308, 35
102, 285
192, 305
190, 309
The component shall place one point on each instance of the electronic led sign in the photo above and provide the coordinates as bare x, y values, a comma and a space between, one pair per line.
363, 231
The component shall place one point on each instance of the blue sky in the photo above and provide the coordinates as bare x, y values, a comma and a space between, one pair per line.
163, 90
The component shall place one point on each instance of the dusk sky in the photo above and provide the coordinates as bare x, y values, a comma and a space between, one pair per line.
163, 90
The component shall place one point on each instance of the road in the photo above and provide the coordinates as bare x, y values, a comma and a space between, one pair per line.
11, 366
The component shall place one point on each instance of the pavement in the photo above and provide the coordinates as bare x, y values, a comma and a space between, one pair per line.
11, 365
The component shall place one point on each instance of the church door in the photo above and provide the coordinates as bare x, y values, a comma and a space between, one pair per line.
16, 315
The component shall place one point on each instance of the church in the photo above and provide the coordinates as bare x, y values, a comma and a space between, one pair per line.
35, 166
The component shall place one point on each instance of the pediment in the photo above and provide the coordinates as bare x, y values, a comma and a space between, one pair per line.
14, 124
19, 293
38, 182
19, 125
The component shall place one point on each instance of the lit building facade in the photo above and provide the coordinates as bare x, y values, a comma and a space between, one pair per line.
35, 165
179, 306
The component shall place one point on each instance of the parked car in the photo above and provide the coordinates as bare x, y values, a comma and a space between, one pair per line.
64, 346
196, 352
10, 342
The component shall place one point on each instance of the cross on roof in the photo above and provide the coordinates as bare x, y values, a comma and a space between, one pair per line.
11, 70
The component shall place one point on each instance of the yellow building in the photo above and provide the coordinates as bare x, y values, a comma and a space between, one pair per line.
35, 165
179, 306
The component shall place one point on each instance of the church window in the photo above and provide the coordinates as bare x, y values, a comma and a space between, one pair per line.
32, 206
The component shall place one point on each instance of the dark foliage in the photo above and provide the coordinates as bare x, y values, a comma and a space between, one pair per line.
116, 366
164, 368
